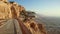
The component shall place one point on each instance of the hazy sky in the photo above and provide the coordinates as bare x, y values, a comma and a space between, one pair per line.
45, 7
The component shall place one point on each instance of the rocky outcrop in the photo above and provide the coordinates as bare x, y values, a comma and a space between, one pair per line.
4, 0
4, 10
34, 27
10, 10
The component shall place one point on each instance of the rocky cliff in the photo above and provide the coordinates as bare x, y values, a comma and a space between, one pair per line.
10, 10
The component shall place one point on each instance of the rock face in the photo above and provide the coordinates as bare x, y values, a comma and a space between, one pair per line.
9, 10
31, 24
4, 10
4, 0
35, 28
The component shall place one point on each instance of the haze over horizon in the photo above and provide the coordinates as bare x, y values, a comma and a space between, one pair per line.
44, 7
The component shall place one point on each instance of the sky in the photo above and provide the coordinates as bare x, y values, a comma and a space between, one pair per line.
44, 7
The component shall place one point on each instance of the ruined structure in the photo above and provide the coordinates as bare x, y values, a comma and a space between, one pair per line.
11, 10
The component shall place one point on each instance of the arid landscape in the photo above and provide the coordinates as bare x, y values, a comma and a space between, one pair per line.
52, 24
16, 19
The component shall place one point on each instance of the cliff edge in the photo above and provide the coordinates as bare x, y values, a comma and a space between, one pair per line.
11, 10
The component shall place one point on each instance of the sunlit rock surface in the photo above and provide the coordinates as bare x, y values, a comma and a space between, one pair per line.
35, 28
11, 10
